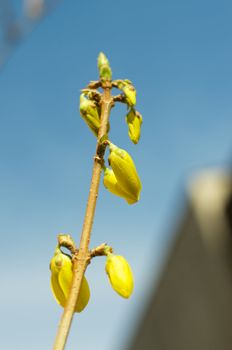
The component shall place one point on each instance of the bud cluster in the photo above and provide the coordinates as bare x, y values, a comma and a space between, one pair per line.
116, 267
120, 178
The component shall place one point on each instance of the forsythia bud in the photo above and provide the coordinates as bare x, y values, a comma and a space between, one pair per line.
111, 183
89, 113
129, 91
125, 172
120, 275
104, 67
61, 279
134, 121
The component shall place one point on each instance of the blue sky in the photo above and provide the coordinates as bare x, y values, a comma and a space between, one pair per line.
178, 55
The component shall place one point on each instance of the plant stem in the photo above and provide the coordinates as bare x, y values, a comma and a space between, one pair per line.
82, 257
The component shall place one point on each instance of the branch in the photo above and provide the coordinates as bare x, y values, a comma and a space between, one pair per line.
81, 257
94, 84
65, 240
101, 250
120, 98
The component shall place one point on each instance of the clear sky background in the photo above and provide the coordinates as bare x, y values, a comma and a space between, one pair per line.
179, 56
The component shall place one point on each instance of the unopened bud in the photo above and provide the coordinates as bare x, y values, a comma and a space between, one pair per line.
134, 121
129, 91
61, 279
120, 275
90, 114
105, 72
125, 171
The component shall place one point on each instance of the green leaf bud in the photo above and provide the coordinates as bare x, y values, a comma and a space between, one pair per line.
134, 121
120, 275
105, 72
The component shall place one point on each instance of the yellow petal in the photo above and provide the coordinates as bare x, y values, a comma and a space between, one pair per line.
57, 291
65, 276
55, 264
84, 296
111, 183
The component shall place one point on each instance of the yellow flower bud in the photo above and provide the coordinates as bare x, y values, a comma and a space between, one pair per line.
134, 121
111, 183
104, 67
90, 114
129, 91
125, 172
120, 275
61, 279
